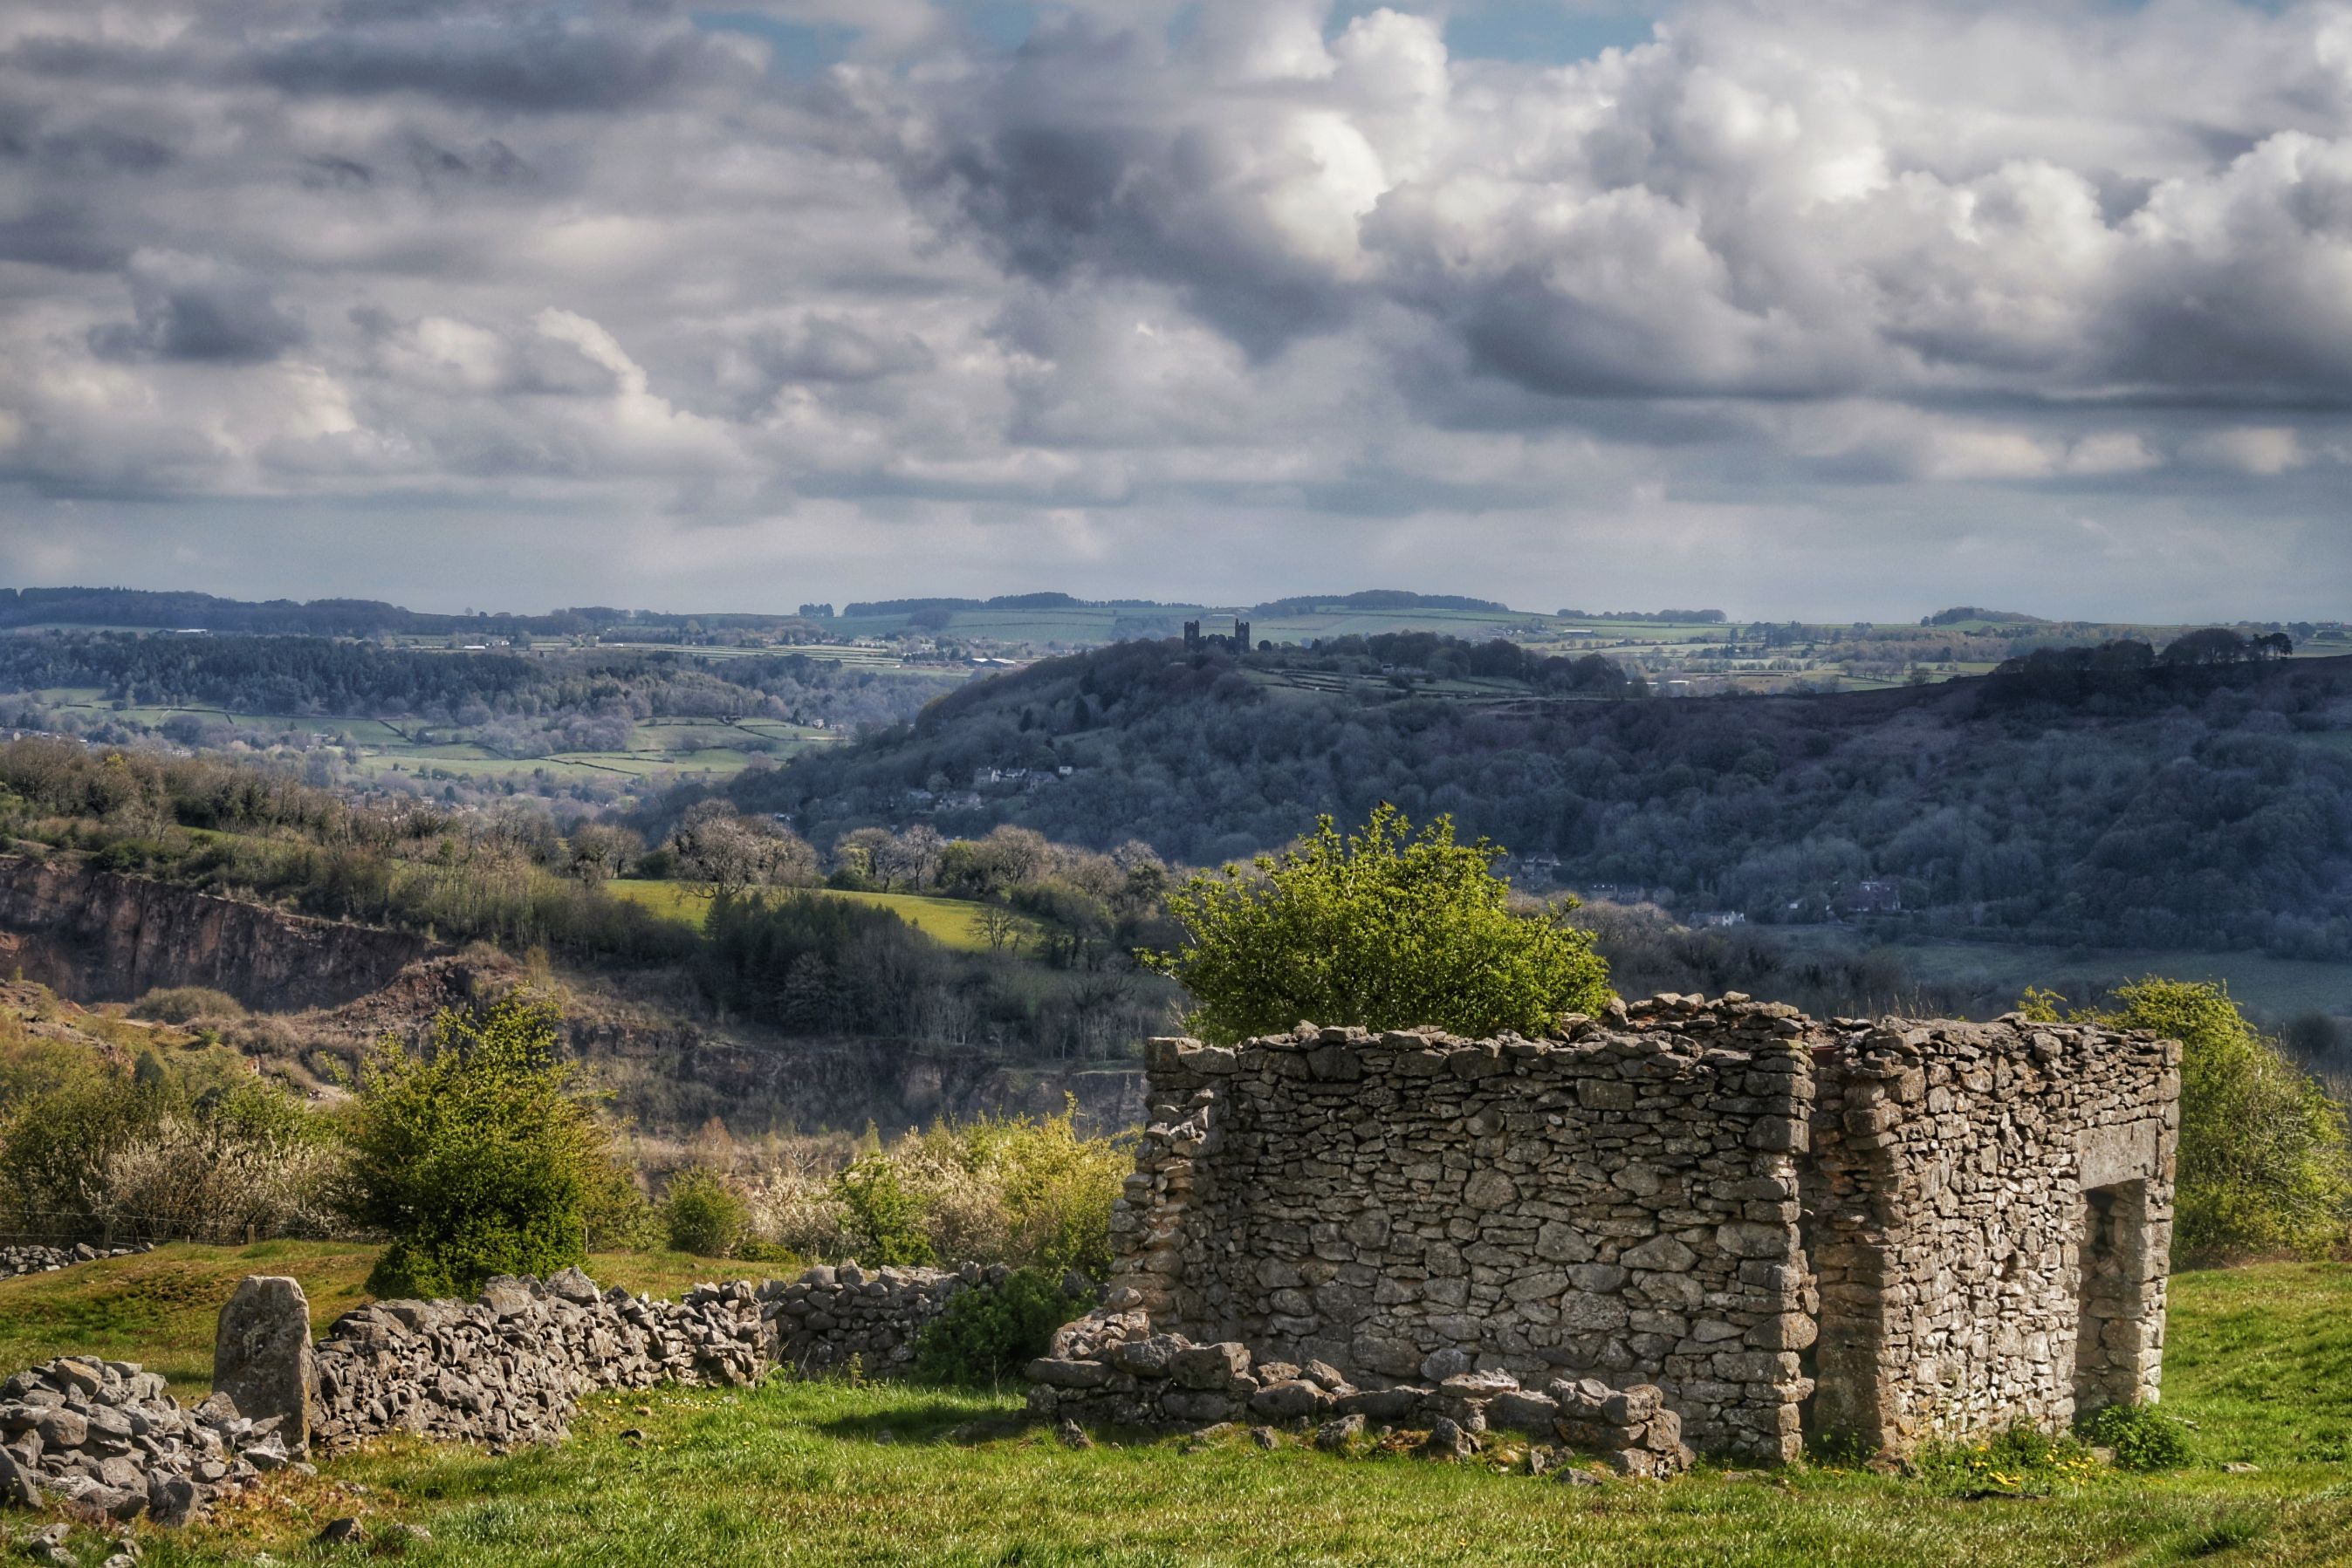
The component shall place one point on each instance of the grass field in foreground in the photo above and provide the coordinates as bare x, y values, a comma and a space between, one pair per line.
2260, 1359
950, 922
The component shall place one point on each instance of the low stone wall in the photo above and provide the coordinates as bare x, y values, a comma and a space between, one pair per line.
831, 1313
103, 1435
1112, 1366
505, 1369
35, 1258
509, 1367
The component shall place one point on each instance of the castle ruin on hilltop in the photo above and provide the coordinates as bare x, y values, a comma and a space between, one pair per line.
1883, 1232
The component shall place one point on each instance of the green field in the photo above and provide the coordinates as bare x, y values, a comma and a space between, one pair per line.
950, 922
2260, 1359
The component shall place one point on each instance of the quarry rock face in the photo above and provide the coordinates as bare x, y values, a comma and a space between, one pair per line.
107, 936
1887, 1230
262, 1361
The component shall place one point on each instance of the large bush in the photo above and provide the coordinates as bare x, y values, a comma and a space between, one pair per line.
186, 1004
2265, 1168
987, 1334
476, 1158
1384, 929
88, 1151
702, 1215
883, 1219
1024, 1190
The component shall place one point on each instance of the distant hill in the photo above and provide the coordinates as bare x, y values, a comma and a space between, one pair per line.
1377, 599
1959, 613
174, 610
2188, 807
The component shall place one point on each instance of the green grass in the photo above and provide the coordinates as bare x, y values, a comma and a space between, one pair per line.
799, 1472
950, 922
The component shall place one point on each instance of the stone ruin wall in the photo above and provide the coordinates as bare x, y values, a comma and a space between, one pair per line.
1792, 1228
1989, 1216
1408, 1206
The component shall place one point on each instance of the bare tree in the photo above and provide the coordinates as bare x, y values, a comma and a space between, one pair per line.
1000, 927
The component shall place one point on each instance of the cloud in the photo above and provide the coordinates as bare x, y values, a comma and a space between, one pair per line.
1825, 295
194, 309
512, 64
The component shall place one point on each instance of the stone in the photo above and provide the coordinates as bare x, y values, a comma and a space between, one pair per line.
1265, 1437
1448, 1440
1523, 1412
1297, 1400
573, 1285
1070, 1435
1441, 1364
344, 1531
1067, 1373
1338, 1433
1219, 1365
262, 1355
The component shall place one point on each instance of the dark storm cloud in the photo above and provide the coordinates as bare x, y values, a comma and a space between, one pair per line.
199, 313
544, 63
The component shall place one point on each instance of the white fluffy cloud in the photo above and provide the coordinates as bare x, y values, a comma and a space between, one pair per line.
1811, 307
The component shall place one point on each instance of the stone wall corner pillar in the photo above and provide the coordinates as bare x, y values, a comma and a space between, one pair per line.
262, 1355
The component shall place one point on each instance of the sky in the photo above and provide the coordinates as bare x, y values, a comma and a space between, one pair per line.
1830, 309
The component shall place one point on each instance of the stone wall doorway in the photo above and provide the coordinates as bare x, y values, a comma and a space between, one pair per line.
2112, 1296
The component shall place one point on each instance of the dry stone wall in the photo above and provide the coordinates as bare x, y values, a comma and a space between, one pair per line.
1991, 1214
104, 1436
1409, 1206
832, 1313
36, 1258
1890, 1231
509, 1367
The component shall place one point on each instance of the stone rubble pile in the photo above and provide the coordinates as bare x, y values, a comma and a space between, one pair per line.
831, 1313
103, 1435
509, 1367
34, 1258
1112, 1367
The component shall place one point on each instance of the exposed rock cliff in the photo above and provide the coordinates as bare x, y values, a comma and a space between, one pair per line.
100, 936
103, 936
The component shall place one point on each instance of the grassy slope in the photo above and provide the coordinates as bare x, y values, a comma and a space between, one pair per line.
825, 1473
950, 922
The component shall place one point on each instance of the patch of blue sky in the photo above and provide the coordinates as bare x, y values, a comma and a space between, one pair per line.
1536, 32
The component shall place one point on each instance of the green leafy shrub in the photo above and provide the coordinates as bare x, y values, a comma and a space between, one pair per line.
1020, 1189
185, 1004
2265, 1168
1384, 929
2143, 1437
477, 1158
987, 1334
702, 1215
884, 1220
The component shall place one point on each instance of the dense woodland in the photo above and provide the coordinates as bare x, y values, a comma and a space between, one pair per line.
533, 704
2193, 805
